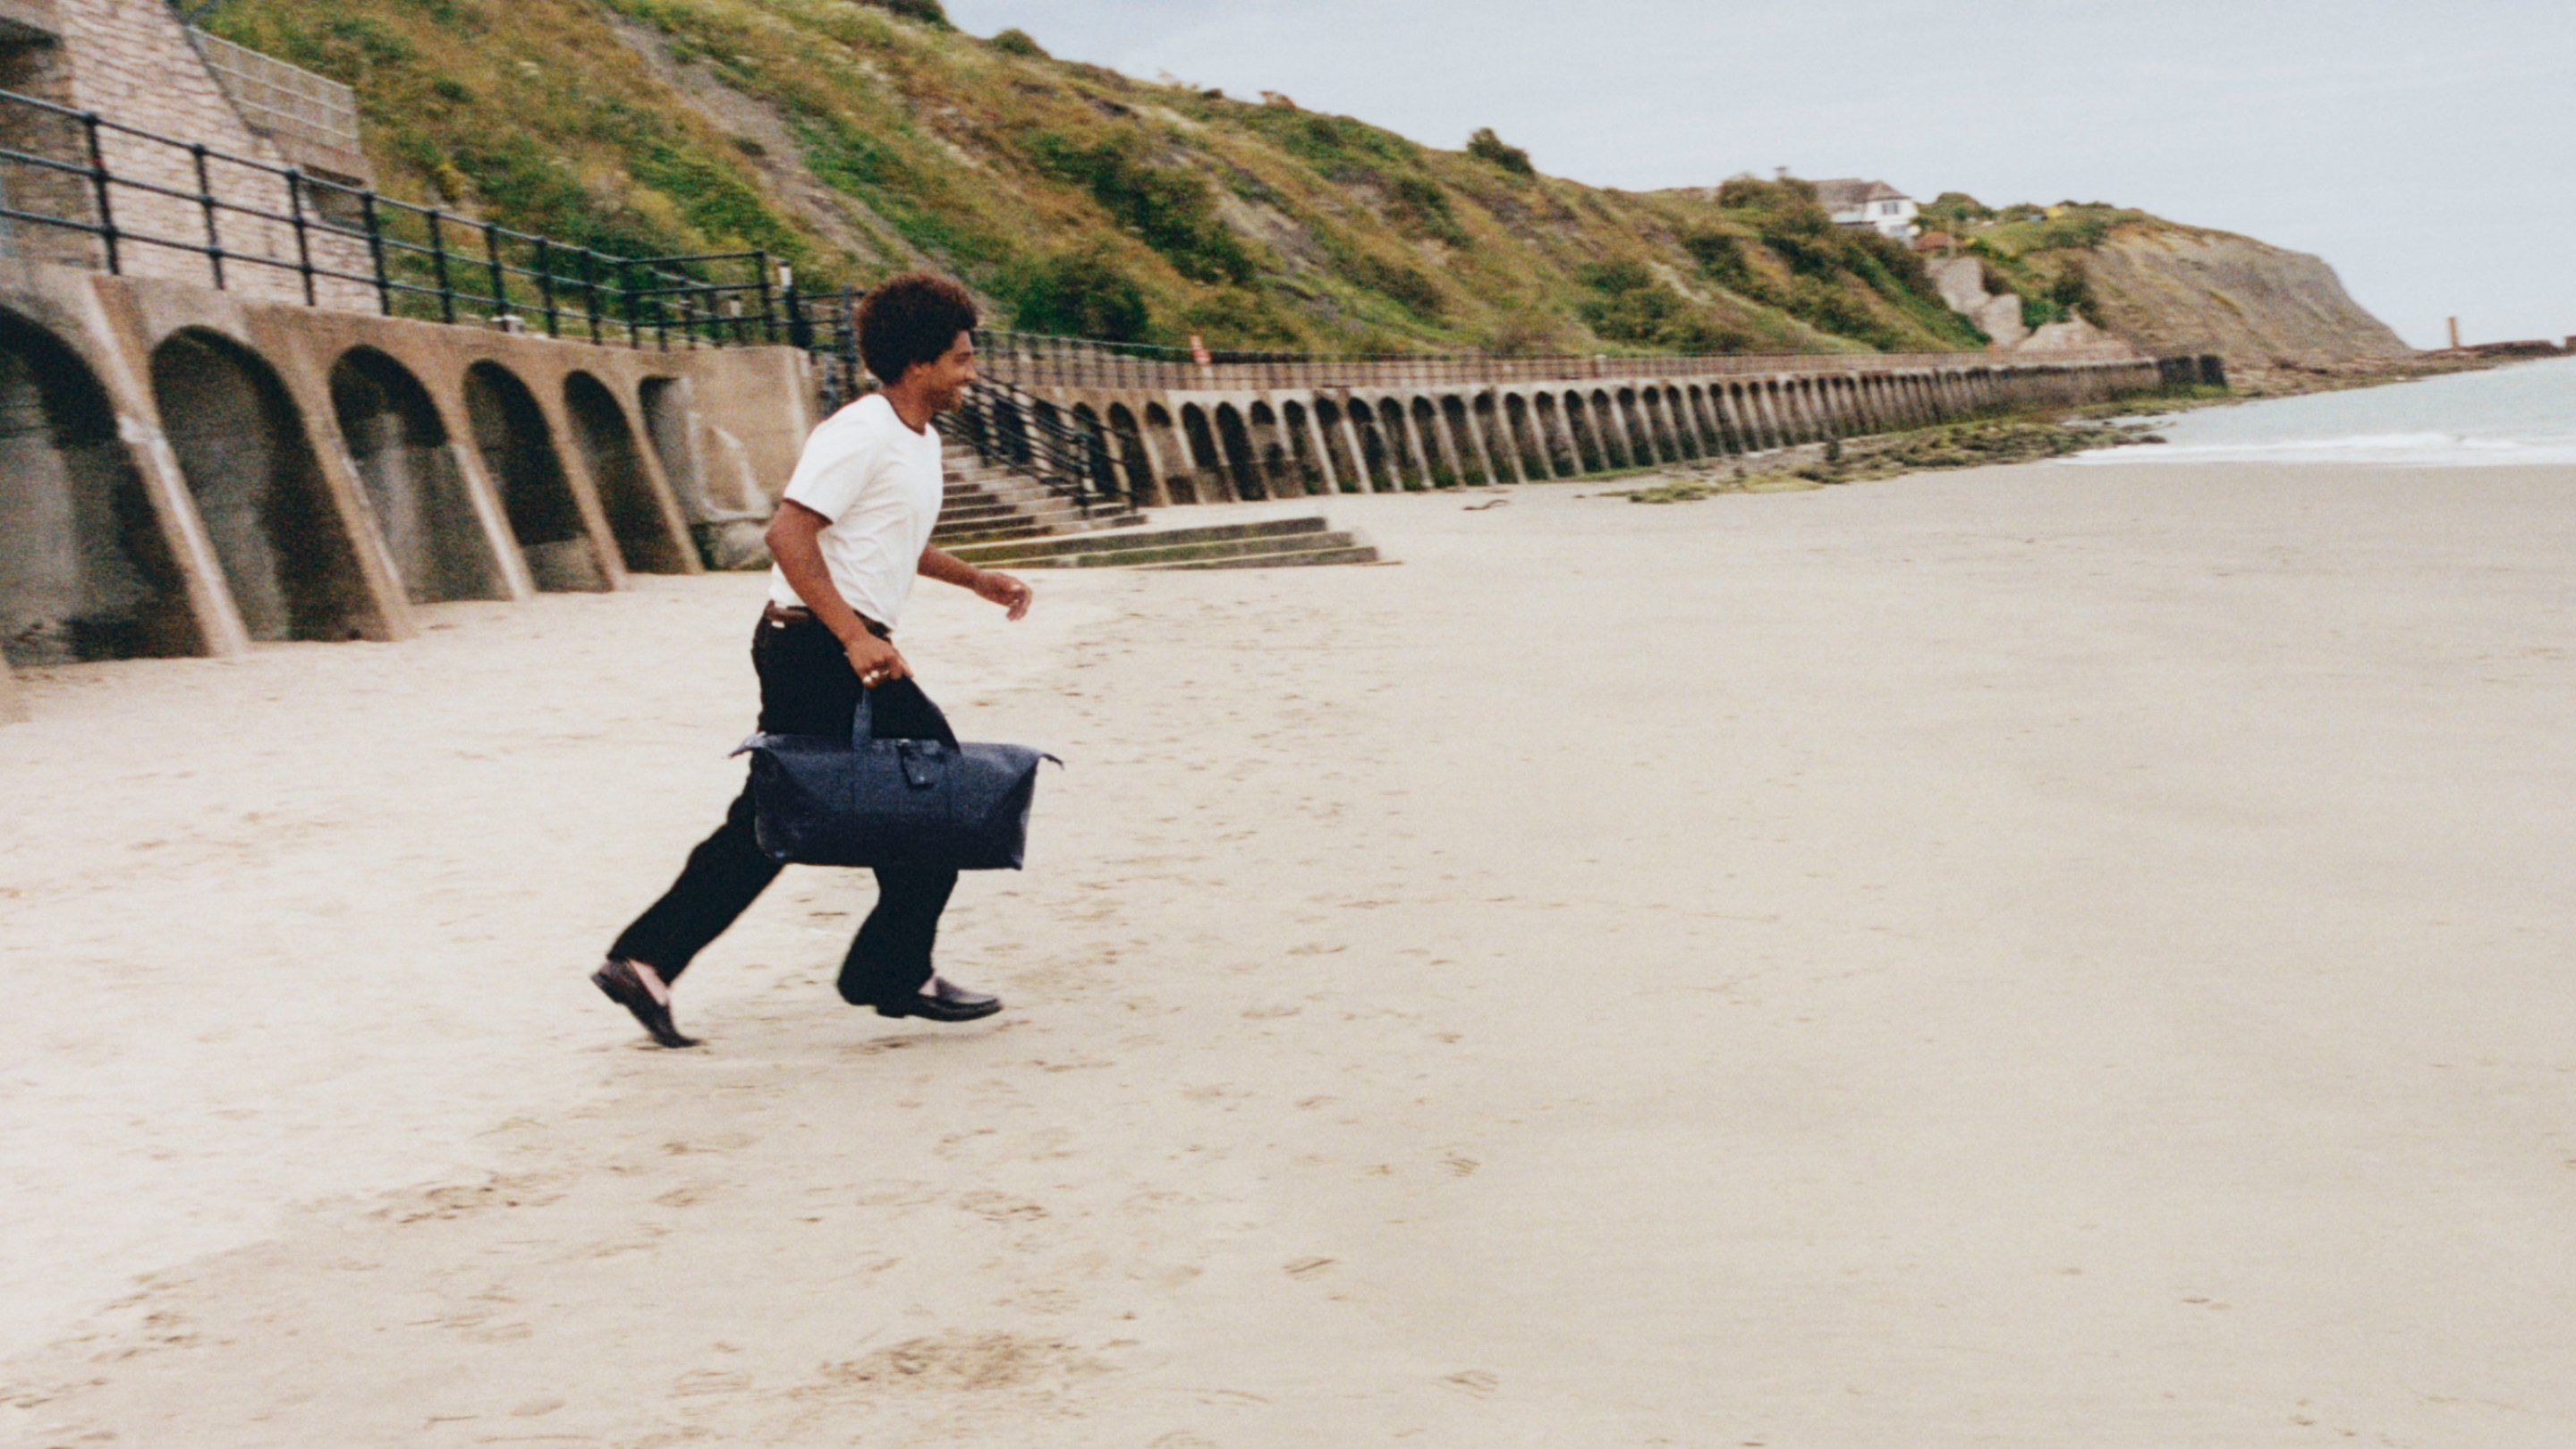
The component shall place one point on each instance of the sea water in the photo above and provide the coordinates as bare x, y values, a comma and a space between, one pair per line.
2524, 413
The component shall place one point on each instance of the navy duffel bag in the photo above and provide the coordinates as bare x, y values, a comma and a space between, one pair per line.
821, 800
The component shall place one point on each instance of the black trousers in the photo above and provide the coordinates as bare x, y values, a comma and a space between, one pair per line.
806, 688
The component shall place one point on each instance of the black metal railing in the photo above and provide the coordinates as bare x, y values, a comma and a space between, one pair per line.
822, 325
131, 192
1067, 451
1036, 360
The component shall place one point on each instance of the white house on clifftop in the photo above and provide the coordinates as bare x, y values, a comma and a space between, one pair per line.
1873, 204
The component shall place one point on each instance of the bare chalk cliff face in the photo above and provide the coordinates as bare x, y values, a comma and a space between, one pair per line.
1962, 284
2260, 306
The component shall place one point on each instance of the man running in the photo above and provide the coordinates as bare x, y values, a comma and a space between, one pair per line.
850, 536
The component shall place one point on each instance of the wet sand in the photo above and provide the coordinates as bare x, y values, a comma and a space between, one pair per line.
2063, 955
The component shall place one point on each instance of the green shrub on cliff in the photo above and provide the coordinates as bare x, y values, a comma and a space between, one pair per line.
1243, 318
1954, 212
1785, 208
2038, 312
929, 12
1077, 294
1484, 145
1721, 259
1407, 285
1630, 304
1169, 209
1420, 208
2073, 287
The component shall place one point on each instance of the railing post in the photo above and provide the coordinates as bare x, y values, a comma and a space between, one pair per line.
546, 284
303, 236
376, 252
634, 303
492, 260
846, 328
768, 314
438, 265
206, 201
98, 182
590, 289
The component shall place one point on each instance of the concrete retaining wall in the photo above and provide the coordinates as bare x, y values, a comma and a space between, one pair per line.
185, 471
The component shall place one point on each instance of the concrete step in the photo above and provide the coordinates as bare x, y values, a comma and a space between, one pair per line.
1051, 503
1049, 508
1052, 510
1351, 553
987, 534
1032, 551
976, 500
998, 483
997, 530
1036, 501
1205, 553
1002, 483
957, 498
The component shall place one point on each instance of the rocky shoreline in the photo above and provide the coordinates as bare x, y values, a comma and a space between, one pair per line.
1973, 443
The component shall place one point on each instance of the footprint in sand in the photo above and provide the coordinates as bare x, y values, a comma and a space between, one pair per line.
1305, 1268
712, 1142
956, 1362
457, 1199
709, 1381
901, 1193
1001, 1207
1473, 1381
1459, 1166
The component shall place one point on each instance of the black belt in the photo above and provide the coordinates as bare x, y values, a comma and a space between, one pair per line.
777, 613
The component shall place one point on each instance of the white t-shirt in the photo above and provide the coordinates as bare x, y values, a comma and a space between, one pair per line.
880, 484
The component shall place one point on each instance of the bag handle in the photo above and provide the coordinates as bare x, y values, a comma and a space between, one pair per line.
862, 723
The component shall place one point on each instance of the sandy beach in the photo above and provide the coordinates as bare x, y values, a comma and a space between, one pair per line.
2069, 955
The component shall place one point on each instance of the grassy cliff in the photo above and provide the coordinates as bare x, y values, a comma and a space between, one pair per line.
854, 140
2170, 287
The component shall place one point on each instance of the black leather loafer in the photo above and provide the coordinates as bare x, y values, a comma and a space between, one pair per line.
618, 980
943, 1001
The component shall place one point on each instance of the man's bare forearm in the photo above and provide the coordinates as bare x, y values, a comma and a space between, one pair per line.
948, 568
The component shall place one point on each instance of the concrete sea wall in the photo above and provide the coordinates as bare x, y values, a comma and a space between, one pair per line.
1228, 433
186, 471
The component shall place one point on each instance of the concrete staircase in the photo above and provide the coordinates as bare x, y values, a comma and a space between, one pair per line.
985, 504
1003, 519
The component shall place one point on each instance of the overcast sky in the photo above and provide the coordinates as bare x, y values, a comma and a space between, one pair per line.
2426, 150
